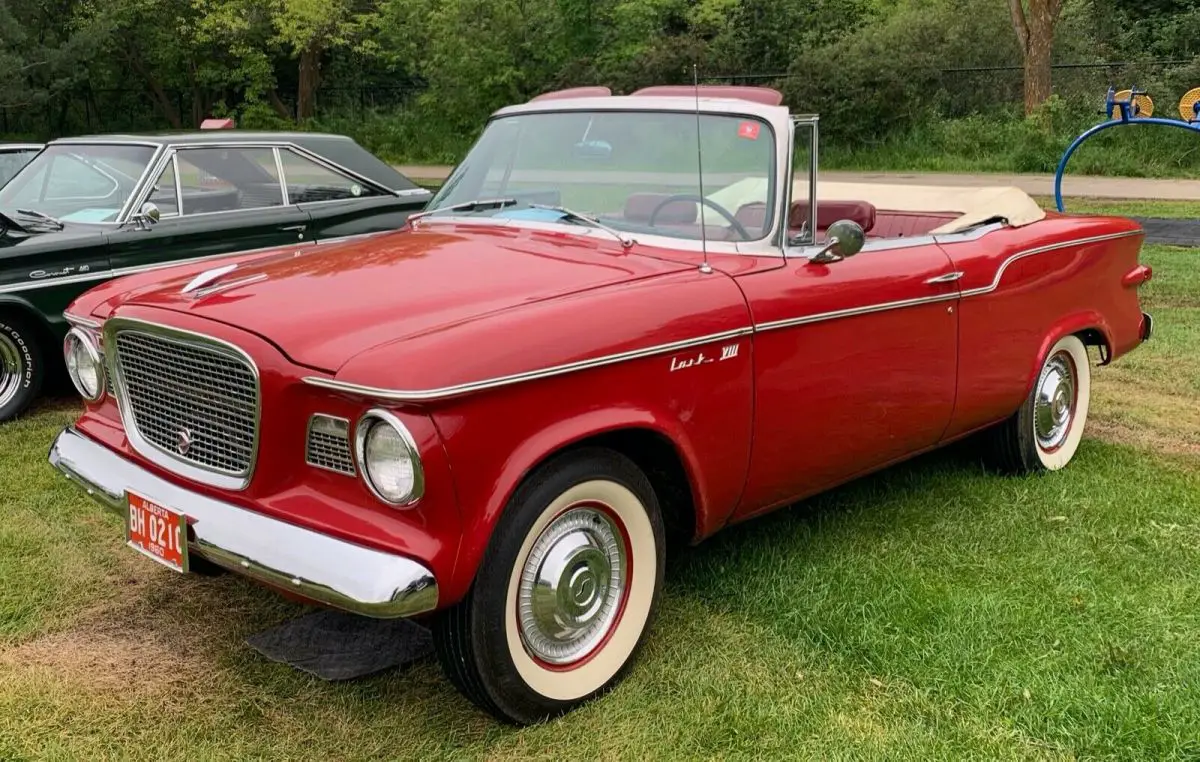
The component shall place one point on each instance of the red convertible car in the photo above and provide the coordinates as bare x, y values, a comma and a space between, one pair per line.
626, 321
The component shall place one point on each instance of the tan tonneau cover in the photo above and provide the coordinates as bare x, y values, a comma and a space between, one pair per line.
973, 206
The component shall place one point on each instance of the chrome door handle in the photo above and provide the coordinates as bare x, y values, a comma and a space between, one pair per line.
947, 278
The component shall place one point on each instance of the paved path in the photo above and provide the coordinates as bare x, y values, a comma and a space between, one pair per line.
1076, 186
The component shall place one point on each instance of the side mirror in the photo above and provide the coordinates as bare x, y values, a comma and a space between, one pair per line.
147, 215
844, 239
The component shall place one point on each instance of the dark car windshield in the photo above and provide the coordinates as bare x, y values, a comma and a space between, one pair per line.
78, 182
12, 159
633, 171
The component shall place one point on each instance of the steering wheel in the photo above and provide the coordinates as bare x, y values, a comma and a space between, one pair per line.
733, 223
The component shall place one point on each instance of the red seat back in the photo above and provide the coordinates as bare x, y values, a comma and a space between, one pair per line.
829, 212
890, 224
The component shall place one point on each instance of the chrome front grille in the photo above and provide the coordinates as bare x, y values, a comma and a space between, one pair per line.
194, 399
328, 444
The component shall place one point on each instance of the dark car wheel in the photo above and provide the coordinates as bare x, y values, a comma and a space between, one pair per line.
565, 594
22, 370
1045, 433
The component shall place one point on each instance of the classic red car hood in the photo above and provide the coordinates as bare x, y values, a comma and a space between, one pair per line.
322, 305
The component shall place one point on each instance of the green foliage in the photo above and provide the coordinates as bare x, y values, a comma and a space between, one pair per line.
932, 80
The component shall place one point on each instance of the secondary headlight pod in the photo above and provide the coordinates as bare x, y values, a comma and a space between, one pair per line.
84, 364
388, 459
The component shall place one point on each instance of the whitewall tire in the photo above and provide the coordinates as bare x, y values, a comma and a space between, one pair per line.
566, 591
1045, 433
22, 370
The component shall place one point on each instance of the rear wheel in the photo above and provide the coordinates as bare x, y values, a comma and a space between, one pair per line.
565, 594
22, 369
1045, 433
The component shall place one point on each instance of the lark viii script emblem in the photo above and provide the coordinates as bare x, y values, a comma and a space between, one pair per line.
728, 352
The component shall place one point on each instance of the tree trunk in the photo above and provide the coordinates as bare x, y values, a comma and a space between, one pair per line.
310, 78
1035, 32
1037, 72
277, 103
155, 87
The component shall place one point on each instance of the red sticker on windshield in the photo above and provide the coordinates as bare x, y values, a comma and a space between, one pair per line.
748, 130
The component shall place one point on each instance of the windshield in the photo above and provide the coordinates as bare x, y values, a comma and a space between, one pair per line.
633, 171
12, 160
77, 183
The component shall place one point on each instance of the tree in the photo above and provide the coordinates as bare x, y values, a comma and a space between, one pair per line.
310, 28
1034, 22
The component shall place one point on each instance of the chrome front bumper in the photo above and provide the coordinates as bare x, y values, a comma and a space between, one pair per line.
314, 565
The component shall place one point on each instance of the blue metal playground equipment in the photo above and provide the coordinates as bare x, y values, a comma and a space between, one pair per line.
1131, 106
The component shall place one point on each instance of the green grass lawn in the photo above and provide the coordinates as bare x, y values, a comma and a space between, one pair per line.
932, 611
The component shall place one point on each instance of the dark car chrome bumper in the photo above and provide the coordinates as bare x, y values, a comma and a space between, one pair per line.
314, 565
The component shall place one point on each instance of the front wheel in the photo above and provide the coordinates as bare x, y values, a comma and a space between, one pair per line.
1045, 433
21, 368
566, 591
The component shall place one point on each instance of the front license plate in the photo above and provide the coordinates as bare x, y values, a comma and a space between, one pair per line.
158, 532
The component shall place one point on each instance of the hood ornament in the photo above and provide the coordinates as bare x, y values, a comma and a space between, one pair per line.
207, 277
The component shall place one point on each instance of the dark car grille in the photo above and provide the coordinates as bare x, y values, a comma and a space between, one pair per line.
195, 401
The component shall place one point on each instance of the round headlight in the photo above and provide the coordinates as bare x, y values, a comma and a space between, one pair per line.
388, 459
84, 365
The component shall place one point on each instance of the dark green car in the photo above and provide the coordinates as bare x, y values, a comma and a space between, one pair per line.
86, 210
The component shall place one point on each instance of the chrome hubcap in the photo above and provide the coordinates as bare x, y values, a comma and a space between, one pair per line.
572, 586
11, 369
1054, 406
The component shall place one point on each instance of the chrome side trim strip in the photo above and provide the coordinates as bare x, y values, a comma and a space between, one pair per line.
121, 271
821, 317
1043, 250
420, 395
48, 282
425, 395
336, 572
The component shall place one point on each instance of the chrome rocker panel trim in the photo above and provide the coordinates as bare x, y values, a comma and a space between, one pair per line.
319, 567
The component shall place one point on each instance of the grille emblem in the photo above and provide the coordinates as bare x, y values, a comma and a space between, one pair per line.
184, 442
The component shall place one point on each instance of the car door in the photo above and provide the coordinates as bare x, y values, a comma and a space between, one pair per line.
213, 200
341, 205
855, 365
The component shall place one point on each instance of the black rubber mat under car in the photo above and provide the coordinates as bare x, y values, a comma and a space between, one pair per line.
338, 646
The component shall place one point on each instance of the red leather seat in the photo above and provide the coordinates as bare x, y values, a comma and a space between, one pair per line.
753, 217
890, 224
639, 207
829, 212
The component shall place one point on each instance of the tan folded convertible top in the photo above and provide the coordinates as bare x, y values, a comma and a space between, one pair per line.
974, 205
